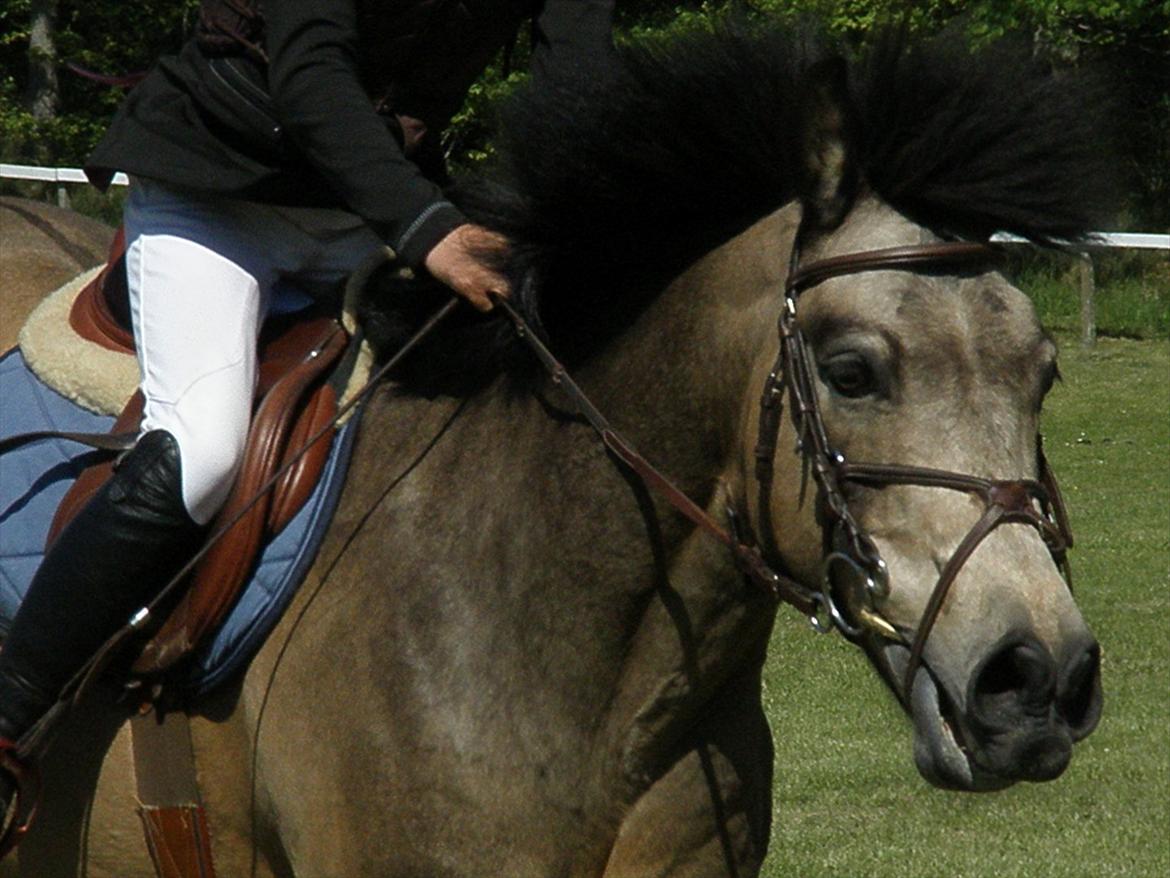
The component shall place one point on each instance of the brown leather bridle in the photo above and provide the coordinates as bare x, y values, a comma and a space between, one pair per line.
1036, 502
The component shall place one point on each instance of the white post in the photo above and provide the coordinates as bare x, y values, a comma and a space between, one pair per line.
1088, 300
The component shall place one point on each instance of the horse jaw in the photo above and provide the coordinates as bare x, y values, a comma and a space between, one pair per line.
939, 756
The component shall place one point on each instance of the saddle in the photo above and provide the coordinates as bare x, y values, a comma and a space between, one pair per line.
301, 375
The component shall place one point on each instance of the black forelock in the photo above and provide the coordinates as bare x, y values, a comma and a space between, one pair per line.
614, 177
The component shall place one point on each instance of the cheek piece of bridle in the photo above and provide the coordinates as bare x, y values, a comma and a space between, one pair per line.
847, 547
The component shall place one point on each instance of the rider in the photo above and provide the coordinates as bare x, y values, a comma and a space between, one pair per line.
289, 139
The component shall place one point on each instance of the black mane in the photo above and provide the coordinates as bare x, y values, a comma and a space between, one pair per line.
614, 177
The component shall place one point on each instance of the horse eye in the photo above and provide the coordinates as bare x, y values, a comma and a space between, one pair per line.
849, 375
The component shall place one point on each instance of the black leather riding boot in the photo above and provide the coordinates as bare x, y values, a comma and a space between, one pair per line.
115, 555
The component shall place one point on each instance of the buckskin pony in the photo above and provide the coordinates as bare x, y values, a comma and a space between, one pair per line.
512, 658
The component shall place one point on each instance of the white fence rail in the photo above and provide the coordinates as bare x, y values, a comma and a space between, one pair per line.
52, 175
1086, 276
1099, 240
1104, 240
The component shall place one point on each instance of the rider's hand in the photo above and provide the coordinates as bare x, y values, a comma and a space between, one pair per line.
463, 261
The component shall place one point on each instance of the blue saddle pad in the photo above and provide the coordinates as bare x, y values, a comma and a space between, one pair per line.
35, 477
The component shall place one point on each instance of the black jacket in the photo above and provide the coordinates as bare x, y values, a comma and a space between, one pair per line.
303, 127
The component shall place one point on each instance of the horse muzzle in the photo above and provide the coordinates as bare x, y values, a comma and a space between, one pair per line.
1021, 715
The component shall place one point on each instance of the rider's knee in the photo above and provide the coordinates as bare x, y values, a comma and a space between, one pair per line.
211, 459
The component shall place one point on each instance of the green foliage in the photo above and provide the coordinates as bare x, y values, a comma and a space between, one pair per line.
856, 17
1131, 37
1132, 292
467, 141
101, 35
1073, 23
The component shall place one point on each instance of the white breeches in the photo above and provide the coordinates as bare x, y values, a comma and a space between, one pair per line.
203, 273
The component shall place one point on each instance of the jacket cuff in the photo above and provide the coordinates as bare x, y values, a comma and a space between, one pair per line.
428, 229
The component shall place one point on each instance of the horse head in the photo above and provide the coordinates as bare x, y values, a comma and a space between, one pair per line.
854, 202
923, 371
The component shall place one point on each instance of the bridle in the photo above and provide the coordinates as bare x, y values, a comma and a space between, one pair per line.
1036, 502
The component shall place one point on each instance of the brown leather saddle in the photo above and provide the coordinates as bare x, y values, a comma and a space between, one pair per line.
297, 395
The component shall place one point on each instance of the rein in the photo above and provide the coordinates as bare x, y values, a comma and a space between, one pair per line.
747, 556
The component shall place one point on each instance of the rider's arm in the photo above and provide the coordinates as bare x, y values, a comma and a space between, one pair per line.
318, 96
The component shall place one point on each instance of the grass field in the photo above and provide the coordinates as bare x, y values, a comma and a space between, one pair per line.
848, 801
1132, 291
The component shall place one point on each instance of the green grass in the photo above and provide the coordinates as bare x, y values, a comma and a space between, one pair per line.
1132, 294
848, 801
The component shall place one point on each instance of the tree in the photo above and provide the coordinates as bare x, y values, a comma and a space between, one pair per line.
48, 115
42, 96
61, 122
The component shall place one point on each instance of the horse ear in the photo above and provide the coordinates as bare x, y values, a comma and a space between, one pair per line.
830, 176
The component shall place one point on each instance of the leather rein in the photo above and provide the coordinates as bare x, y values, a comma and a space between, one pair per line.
1035, 502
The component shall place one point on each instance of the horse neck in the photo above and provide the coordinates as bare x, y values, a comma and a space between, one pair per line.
677, 380
590, 608
679, 383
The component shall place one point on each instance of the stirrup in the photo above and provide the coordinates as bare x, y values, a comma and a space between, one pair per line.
14, 823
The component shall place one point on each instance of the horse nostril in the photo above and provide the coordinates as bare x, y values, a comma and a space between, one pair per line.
1079, 695
1020, 677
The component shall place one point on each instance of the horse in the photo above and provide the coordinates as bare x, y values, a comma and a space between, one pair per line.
43, 246
512, 657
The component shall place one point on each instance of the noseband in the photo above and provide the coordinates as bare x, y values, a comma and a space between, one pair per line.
1036, 502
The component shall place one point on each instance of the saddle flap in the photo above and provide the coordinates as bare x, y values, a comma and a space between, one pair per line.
221, 573
296, 402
